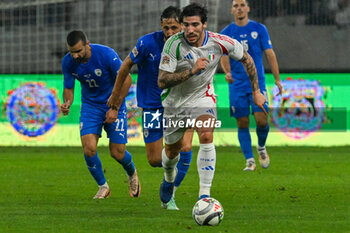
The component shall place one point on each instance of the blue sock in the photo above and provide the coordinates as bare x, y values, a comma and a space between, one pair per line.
95, 167
182, 167
128, 164
262, 135
246, 142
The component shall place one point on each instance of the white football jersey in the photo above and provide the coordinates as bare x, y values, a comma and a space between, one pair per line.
178, 55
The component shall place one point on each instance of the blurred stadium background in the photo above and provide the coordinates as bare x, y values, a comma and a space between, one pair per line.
311, 39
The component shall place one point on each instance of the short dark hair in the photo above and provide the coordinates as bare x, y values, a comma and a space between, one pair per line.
194, 9
75, 36
247, 1
171, 12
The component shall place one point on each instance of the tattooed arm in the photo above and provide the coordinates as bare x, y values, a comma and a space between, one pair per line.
167, 79
250, 68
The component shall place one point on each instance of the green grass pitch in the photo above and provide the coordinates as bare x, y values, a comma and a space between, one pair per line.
306, 189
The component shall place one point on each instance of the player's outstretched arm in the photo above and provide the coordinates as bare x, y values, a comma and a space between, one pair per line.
117, 98
250, 68
68, 97
272, 59
167, 79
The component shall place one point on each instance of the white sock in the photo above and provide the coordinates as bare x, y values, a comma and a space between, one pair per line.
104, 185
206, 167
174, 191
251, 159
169, 166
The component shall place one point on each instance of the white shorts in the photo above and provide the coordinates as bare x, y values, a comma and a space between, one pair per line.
178, 120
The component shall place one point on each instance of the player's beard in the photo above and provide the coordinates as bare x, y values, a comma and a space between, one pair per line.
197, 36
81, 59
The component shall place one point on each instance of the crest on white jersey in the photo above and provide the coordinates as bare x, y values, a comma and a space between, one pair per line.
254, 35
98, 72
211, 53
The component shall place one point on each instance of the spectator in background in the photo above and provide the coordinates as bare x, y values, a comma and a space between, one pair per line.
340, 12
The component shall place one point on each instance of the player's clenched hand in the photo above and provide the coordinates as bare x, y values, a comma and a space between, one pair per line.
111, 116
229, 78
201, 64
280, 87
65, 107
113, 102
259, 100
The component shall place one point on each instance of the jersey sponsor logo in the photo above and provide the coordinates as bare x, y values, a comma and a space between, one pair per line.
153, 56
75, 74
243, 35
165, 60
135, 52
211, 111
98, 72
254, 35
188, 56
233, 109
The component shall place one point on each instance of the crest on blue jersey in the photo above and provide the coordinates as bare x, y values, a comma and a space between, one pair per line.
254, 34
98, 72
146, 133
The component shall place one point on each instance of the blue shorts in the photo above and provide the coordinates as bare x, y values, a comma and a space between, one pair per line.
91, 122
240, 103
152, 124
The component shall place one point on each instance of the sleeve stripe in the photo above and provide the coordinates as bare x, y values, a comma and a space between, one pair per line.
170, 42
178, 51
224, 50
222, 37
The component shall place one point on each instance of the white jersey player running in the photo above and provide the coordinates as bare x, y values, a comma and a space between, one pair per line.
188, 64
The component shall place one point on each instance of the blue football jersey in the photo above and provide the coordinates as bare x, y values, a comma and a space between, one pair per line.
255, 39
96, 77
146, 54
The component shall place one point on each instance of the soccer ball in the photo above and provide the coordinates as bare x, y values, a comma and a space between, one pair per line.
208, 211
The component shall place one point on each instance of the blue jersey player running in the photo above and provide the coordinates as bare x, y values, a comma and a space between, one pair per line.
95, 67
147, 54
256, 41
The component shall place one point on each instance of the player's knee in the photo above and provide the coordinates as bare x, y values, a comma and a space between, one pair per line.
186, 148
172, 152
117, 151
206, 137
155, 162
243, 122
89, 152
261, 123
